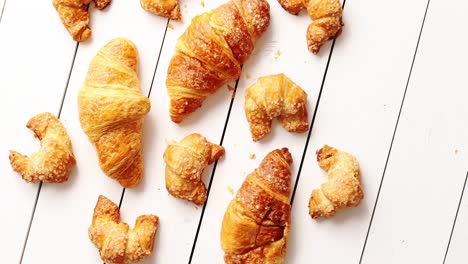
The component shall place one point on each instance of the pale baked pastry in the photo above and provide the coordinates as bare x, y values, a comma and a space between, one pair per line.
165, 8
112, 110
118, 244
327, 19
185, 162
75, 16
275, 96
256, 224
211, 51
343, 188
54, 160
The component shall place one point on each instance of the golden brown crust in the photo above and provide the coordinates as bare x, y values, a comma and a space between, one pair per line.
75, 16
118, 244
210, 52
185, 162
54, 160
112, 111
275, 96
327, 20
256, 224
343, 188
165, 8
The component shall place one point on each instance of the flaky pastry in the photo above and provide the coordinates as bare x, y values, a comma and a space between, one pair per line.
165, 8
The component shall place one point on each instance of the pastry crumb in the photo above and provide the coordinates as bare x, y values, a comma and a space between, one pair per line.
230, 88
247, 76
277, 54
170, 26
456, 151
230, 190
233, 95
252, 156
202, 3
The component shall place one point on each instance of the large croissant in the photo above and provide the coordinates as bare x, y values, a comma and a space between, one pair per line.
118, 244
54, 161
75, 17
112, 110
211, 51
185, 163
256, 223
165, 8
343, 188
275, 96
327, 19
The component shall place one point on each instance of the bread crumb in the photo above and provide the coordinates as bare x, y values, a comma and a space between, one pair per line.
202, 3
252, 156
170, 26
233, 95
230, 88
277, 54
230, 190
247, 76
456, 151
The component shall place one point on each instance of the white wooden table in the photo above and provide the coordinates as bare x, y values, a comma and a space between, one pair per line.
392, 90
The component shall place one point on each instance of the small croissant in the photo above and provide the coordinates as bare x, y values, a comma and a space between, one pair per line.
165, 8
112, 111
275, 96
256, 224
327, 19
118, 244
343, 188
185, 163
54, 160
75, 16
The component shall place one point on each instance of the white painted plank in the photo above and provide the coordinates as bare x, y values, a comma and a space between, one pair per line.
457, 251
178, 218
353, 75
64, 212
34, 66
424, 177
283, 37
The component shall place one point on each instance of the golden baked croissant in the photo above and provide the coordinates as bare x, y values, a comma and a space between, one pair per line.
343, 188
327, 19
211, 51
275, 96
165, 8
185, 163
116, 243
256, 223
112, 110
54, 161
75, 16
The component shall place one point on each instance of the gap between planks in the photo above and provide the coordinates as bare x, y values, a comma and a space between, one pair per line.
394, 134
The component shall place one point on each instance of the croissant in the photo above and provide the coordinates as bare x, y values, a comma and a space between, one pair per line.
54, 160
116, 243
75, 17
327, 19
165, 8
112, 110
343, 188
256, 223
275, 96
185, 163
211, 51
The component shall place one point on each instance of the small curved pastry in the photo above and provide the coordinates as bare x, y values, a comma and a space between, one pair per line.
112, 111
185, 163
118, 244
211, 51
75, 16
54, 160
343, 188
165, 8
275, 96
256, 224
327, 19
